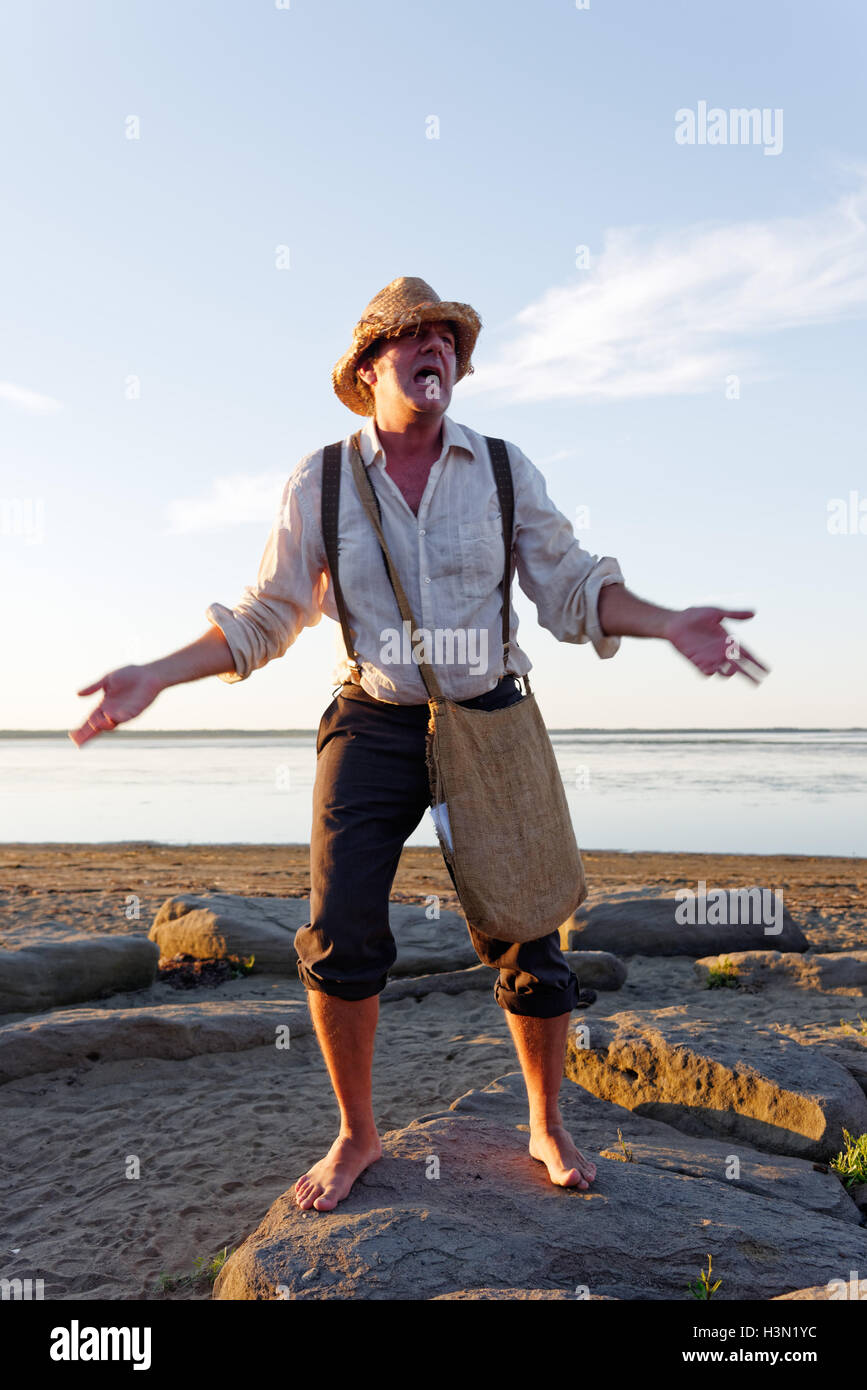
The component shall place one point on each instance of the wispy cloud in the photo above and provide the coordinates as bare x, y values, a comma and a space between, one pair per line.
675, 313
556, 457
33, 402
240, 497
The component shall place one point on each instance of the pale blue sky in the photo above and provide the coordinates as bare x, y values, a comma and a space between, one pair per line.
305, 127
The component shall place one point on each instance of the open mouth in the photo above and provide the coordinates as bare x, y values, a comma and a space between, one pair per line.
424, 374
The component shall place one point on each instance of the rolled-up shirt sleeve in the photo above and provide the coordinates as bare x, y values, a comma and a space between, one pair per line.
563, 580
287, 595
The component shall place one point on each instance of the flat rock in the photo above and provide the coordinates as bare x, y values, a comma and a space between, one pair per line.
425, 945
649, 927
217, 925
858, 1193
852, 1056
652, 1143
843, 972
72, 1037
456, 1205
597, 969
440, 982
517, 1295
221, 924
72, 968
709, 1079
75, 1037
844, 1286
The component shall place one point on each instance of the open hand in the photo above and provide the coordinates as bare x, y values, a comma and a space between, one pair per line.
128, 691
698, 634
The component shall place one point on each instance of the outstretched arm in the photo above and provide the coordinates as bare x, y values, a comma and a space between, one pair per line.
129, 690
697, 633
285, 598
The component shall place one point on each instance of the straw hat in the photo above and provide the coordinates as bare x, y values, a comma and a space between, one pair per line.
403, 305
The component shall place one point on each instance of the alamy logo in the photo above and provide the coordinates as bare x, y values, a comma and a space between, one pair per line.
22, 1290
23, 516
442, 646
740, 125
847, 517
721, 908
856, 1288
76, 1343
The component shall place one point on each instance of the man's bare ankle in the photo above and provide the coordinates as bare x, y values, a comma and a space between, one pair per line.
359, 1135
546, 1124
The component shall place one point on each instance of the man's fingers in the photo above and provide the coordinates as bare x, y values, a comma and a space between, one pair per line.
751, 665
741, 664
756, 680
749, 659
737, 612
100, 722
753, 660
744, 655
89, 689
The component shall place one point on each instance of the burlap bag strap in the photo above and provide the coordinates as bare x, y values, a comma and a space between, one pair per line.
505, 492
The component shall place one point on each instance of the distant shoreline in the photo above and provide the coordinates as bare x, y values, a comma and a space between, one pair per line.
300, 849
297, 733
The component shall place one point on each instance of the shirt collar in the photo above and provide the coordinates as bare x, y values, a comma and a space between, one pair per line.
453, 438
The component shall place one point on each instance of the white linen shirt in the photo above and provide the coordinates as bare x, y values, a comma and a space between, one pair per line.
450, 559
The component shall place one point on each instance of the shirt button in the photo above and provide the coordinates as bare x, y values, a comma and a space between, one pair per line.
422, 532
427, 579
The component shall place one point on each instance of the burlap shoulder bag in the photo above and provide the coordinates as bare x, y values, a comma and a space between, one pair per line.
506, 836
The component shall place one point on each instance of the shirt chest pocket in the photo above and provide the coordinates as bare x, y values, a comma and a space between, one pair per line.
482, 557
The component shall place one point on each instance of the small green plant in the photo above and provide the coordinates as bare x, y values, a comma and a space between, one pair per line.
702, 1287
627, 1153
723, 975
849, 1028
850, 1165
240, 966
204, 1270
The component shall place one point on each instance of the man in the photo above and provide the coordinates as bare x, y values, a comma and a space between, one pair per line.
441, 519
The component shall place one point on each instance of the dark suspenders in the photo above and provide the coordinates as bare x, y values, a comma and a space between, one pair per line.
331, 472
330, 510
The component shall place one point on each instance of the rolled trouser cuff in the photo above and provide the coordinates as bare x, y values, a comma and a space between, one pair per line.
352, 991
540, 1001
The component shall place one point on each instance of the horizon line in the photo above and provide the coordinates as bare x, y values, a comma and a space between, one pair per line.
572, 729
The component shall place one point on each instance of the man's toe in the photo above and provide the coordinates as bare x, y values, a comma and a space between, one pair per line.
565, 1177
308, 1193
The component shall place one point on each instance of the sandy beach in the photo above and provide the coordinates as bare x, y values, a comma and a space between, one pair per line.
220, 1137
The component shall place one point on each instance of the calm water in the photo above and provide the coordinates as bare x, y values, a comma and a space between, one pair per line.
798, 792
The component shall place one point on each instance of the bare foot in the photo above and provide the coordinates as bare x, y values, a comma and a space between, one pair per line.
331, 1179
567, 1166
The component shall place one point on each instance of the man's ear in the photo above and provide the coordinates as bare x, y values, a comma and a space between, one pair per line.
366, 367
366, 371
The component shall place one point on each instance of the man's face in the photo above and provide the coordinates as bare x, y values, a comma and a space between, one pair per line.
417, 369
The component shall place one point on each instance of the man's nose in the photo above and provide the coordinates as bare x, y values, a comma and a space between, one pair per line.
436, 344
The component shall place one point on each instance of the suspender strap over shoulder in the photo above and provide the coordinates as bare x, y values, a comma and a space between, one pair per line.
331, 466
506, 493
